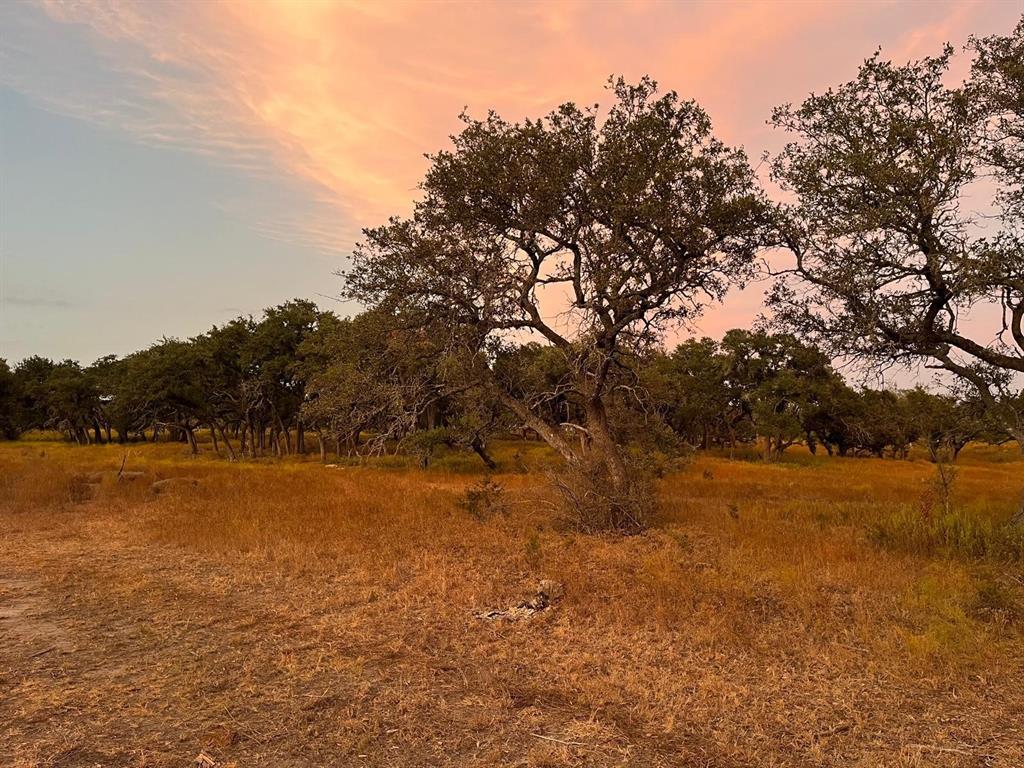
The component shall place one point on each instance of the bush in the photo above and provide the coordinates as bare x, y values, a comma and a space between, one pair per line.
424, 444
484, 500
591, 504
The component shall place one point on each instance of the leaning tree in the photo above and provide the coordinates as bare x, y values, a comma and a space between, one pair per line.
906, 220
592, 235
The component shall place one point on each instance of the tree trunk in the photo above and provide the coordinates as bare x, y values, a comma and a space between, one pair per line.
227, 443
480, 449
549, 434
1017, 433
603, 445
192, 444
287, 437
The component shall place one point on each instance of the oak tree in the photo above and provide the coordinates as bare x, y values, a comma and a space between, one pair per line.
892, 255
591, 235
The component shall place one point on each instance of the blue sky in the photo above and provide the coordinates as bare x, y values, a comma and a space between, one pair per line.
106, 245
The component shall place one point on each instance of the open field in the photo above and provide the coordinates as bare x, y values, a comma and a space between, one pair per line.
290, 614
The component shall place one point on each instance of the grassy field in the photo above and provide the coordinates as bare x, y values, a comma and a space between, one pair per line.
813, 612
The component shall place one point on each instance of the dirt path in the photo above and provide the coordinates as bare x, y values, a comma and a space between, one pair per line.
23, 627
114, 654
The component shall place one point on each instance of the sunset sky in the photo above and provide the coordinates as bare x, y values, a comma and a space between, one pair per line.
167, 166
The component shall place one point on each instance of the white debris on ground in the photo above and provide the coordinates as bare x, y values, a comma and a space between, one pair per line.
548, 593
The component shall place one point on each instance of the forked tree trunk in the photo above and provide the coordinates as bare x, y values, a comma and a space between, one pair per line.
287, 436
227, 443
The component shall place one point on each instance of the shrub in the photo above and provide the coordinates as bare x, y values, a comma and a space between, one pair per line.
590, 503
485, 500
424, 444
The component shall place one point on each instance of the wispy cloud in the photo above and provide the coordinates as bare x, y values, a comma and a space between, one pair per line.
346, 97
35, 302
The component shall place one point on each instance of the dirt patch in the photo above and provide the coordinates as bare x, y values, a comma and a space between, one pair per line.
24, 624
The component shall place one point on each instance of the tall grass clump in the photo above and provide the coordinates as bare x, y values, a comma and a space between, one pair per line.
939, 527
955, 533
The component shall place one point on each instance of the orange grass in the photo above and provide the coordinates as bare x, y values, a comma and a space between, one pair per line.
294, 614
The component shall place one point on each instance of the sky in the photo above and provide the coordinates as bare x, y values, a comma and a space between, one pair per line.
165, 167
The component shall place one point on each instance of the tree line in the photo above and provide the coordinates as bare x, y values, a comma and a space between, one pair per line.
546, 259
372, 383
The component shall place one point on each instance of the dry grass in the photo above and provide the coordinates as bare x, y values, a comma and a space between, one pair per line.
292, 614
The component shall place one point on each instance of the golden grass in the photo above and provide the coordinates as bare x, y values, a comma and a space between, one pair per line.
293, 614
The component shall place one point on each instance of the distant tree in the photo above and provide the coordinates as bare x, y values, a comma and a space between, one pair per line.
160, 388
881, 168
275, 386
72, 403
834, 421
221, 378
946, 425
369, 375
884, 422
751, 384
376, 373
778, 382
103, 374
688, 390
10, 403
637, 219
31, 376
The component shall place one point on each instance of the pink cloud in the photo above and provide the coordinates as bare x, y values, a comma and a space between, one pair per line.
344, 98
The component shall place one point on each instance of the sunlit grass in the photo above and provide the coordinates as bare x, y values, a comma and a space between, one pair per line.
823, 564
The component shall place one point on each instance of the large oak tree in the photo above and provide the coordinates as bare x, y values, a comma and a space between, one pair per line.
592, 234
